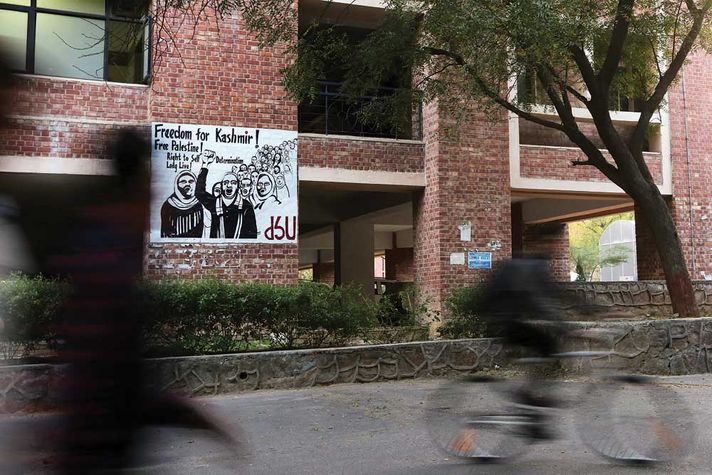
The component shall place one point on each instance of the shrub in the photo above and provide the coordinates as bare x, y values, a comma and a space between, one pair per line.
201, 316
29, 309
210, 316
463, 320
312, 314
404, 308
193, 316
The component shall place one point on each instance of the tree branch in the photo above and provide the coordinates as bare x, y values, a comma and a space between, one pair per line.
572, 130
565, 87
512, 108
487, 91
584, 65
624, 11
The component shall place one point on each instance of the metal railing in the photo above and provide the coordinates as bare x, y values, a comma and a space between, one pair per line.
332, 114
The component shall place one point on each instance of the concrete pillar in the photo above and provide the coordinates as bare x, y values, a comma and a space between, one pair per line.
354, 248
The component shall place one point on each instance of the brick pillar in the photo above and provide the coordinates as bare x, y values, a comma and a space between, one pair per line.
551, 240
399, 264
324, 272
467, 179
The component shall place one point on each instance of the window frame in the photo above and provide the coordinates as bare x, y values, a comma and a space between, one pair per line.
32, 10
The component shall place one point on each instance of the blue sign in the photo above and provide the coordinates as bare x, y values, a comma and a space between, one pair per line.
479, 260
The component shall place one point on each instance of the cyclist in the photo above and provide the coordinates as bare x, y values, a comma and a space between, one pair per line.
519, 293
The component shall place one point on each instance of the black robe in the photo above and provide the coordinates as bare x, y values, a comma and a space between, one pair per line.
181, 222
240, 214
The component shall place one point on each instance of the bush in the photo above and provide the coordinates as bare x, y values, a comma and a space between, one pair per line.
210, 316
193, 317
462, 309
404, 308
29, 310
312, 314
201, 316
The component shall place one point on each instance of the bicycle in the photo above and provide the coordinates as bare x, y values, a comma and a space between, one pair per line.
625, 418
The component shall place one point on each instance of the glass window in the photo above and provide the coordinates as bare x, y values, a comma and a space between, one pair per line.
85, 39
96, 7
13, 37
126, 52
69, 47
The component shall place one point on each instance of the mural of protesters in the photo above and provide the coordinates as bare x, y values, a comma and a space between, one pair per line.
279, 179
232, 216
182, 213
266, 190
207, 216
221, 193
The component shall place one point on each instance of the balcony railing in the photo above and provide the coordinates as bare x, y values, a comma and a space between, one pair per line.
332, 114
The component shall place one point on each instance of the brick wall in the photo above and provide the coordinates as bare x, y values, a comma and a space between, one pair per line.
270, 263
535, 134
551, 240
222, 77
555, 163
219, 75
399, 264
691, 202
324, 272
66, 118
692, 199
357, 154
427, 214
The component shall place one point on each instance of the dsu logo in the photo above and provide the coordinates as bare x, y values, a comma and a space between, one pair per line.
279, 230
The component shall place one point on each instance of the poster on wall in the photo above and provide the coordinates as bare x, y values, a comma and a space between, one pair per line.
223, 184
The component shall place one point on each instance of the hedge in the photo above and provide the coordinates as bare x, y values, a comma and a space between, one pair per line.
212, 316
464, 321
29, 309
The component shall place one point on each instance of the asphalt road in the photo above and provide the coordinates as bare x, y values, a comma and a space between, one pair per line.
373, 428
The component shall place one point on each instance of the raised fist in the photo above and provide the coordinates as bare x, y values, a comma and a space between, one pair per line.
207, 157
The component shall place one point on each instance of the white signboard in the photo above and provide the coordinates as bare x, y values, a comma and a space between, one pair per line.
223, 184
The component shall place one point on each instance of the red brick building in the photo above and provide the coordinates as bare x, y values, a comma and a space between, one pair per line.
415, 198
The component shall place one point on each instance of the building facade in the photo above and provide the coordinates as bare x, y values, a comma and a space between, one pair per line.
438, 206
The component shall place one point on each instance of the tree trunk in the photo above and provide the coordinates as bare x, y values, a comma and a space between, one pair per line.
658, 218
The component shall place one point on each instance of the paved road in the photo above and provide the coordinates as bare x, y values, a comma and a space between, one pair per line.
372, 429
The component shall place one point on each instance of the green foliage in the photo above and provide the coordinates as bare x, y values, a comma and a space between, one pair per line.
585, 255
463, 319
405, 308
29, 307
201, 316
193, 316
210, 316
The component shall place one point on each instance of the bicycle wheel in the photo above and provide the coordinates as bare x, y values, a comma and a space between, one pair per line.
472, 418
633, 419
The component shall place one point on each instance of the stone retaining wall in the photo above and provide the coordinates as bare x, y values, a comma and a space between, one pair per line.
666, 347
642, 299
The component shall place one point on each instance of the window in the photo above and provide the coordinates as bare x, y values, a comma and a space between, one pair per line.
86, 39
